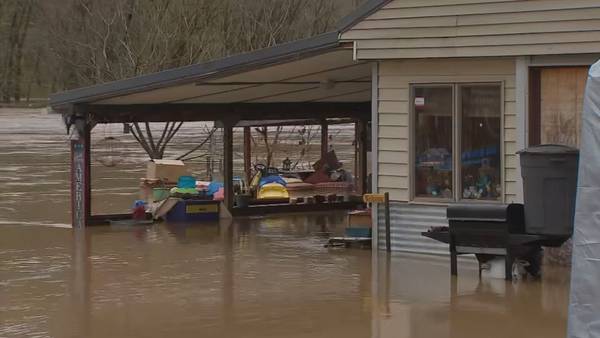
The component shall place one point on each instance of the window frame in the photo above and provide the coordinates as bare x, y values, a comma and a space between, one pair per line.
456, 142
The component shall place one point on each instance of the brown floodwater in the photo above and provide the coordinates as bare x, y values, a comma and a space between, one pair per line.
256, 277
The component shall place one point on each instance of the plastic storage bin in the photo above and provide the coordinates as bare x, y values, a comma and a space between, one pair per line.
358, 232
186, 182
191, 211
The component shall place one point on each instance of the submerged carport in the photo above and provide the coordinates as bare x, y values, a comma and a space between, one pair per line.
314, 79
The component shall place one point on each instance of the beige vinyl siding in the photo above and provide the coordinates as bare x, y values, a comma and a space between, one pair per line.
395, 78
468, 28
393, 154
510, 173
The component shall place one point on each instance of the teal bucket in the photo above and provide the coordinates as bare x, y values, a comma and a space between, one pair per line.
159, 194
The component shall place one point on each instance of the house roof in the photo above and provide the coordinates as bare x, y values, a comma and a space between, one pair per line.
366, 9
317, 69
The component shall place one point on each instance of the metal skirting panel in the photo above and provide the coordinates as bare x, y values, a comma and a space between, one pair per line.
407, 223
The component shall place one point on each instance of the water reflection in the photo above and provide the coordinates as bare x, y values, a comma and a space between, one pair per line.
80, 291
419, 298
263, 277
267, 277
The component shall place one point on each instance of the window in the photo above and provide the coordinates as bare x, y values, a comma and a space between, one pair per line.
457, 141
433, 141
556, 99
480, 110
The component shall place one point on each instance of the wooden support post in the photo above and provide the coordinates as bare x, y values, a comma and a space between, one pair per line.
88, 175
388, 226
324, 139
356, 169
247, 153
81, 190
361, 139
228, 165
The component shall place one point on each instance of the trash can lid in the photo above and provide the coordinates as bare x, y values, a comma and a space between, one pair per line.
544, 149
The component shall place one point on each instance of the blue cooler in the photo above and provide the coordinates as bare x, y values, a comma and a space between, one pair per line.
358, 232
194, 211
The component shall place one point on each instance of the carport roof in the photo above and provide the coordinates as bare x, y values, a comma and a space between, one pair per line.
320, 69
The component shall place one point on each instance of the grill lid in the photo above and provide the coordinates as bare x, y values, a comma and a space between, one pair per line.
484, 212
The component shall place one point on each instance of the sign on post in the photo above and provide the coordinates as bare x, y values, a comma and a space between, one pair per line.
385, 199
374, 198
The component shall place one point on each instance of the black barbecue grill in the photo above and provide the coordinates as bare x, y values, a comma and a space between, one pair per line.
518, 231
492, 230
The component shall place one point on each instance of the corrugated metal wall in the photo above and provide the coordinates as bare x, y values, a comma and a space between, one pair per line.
407, 223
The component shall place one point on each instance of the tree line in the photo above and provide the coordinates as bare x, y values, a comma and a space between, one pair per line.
52, 45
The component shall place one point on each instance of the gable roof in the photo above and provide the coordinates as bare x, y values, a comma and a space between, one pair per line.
366, 9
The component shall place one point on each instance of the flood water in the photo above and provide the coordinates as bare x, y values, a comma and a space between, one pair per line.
258, 277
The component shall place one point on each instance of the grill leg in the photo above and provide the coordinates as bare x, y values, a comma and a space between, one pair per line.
453, 258
453, 264
508, 261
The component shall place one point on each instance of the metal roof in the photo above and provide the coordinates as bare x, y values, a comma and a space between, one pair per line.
329, 75
210, 72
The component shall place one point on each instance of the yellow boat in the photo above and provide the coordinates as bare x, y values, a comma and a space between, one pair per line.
269, 191
272, 191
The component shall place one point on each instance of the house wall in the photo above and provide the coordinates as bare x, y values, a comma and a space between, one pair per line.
466, 28
394, 81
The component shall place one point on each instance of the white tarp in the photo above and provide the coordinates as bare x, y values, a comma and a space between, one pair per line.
584, 307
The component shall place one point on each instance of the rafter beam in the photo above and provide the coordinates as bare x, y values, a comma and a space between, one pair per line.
214, 112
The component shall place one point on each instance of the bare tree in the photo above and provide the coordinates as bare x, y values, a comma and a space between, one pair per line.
15, 21
113, 39
280, 139
269, 143
307, 134
63, 44
155, 148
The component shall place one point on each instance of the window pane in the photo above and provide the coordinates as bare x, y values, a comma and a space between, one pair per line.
480, 107
433, 141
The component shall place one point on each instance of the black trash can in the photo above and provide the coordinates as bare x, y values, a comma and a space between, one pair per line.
549, 188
